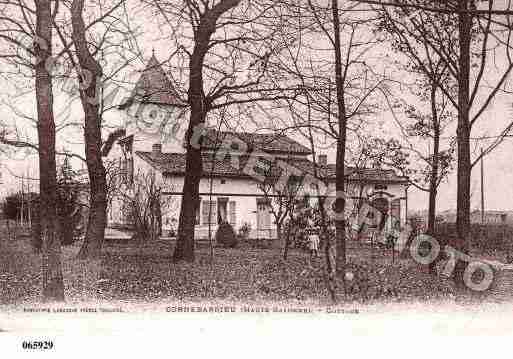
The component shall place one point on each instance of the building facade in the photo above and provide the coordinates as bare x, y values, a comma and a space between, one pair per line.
237, 167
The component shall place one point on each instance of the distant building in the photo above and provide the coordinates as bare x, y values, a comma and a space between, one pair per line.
490, 217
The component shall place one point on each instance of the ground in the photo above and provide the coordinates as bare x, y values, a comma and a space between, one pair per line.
145, 272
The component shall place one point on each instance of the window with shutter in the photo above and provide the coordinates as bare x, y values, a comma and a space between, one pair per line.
233, 218
205, 212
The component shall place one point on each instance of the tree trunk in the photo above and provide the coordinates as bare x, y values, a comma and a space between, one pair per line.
97, 221
330, 252
433, 181
287, 241
53, 286
463, 135
184, 250
8, 221
286, 247
340, 203
281, 239
89, 96
432, 199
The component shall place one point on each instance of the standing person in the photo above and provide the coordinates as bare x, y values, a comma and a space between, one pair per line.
313, 239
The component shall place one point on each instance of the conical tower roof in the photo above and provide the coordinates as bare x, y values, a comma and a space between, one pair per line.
154, 86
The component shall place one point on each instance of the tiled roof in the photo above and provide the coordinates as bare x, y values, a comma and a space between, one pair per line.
369, 174
174, 164
354, 174
266, 142
154, 87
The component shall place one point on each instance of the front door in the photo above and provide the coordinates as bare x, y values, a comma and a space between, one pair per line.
222, 210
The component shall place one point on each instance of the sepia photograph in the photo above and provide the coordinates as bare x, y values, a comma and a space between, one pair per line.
254, 167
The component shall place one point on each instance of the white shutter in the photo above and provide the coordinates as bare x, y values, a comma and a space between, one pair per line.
204, 212
233, 218
213, 218
267, 217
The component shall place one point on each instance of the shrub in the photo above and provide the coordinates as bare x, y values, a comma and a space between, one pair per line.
68, 207
143, 205
225, 236
69, 215
68, 212
12, 205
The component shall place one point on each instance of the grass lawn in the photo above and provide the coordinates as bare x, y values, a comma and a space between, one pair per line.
132, 272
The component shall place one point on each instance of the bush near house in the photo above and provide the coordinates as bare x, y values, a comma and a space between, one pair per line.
225, 236
12, 205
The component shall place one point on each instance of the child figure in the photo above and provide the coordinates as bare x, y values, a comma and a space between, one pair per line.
313, 239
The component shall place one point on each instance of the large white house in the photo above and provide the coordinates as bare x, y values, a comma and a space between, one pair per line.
234, 164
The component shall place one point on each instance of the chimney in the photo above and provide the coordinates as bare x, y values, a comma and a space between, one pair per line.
156, 149
323, 160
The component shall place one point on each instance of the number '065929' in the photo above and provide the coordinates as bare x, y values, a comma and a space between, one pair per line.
37, 345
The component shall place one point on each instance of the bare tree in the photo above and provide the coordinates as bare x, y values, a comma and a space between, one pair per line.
95, 98
53, 286
93, 136
232, 44
339, 88
97, 91
433, 71
472, 33
282, 196
21, 21
340, 79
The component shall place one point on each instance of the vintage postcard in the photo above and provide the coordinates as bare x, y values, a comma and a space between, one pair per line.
294, 171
